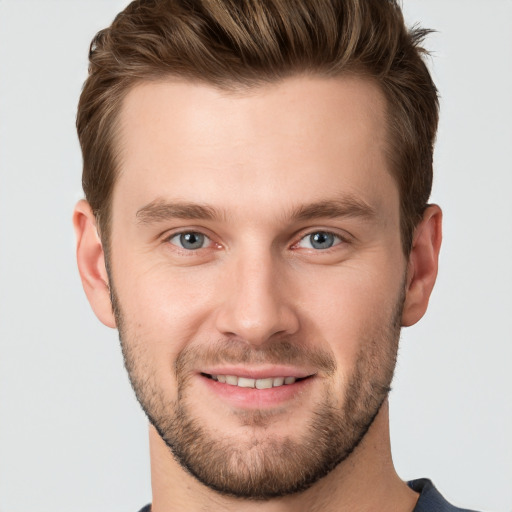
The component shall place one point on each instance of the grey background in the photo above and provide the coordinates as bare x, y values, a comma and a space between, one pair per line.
72, 437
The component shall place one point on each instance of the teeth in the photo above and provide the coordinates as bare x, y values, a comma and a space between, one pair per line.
243, 382
264, 383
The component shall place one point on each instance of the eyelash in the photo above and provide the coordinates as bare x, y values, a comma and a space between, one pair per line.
169, 239
337, 240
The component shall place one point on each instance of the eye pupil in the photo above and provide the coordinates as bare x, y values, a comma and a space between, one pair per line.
322, 240
191, 240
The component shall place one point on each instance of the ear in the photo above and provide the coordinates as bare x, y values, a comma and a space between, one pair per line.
423, 264
91, 263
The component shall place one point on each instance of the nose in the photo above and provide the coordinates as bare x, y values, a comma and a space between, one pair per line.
256, 303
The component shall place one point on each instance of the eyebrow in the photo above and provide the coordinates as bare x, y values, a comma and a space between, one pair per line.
159, 211
347, 206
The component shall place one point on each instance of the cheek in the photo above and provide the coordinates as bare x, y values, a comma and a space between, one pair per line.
349, 309
165, 306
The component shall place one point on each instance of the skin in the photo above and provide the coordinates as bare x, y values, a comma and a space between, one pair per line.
255, 159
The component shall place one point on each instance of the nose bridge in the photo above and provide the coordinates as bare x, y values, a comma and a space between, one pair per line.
255, 305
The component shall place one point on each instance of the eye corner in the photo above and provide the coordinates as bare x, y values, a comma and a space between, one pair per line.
319, 240
189, 240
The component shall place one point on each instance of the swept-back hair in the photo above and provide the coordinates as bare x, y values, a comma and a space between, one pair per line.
233, 44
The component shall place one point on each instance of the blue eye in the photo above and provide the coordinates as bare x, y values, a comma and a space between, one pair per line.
320, 240
190, 240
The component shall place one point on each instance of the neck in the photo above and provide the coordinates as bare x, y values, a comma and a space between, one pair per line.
365, 481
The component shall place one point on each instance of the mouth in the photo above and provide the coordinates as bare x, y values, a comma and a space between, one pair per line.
257, 388
261, 383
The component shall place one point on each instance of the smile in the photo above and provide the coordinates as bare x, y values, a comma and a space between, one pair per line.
244, 382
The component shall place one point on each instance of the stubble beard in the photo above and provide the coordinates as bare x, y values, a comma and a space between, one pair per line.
260, 466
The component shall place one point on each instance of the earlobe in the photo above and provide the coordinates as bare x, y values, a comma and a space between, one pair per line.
91, 263
422, 265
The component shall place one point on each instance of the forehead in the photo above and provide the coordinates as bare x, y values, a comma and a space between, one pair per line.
272, 145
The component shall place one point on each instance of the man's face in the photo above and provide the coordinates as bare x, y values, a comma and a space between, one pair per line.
257, 274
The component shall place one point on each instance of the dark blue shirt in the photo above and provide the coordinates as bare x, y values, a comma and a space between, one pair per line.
430, 499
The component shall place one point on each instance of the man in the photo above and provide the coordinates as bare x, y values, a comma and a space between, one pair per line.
256, 226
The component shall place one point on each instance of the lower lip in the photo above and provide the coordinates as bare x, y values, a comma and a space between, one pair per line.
253, 398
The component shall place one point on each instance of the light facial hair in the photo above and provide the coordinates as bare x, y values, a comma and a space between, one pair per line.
256, 466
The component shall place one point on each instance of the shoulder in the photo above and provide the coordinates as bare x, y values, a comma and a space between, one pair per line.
430, 499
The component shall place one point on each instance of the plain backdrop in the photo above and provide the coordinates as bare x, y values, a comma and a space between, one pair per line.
72, 437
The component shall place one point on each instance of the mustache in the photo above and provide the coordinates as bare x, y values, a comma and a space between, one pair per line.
236, 351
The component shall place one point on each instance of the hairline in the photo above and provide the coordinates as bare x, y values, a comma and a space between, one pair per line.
238, 87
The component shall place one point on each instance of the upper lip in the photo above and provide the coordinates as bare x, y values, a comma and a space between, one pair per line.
259, 372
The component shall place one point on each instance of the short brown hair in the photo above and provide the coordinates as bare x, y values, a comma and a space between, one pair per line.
235, 44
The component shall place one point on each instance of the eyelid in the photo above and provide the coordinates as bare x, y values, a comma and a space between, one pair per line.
167, 236
207, 240
343, 238
170, 234
336, 240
